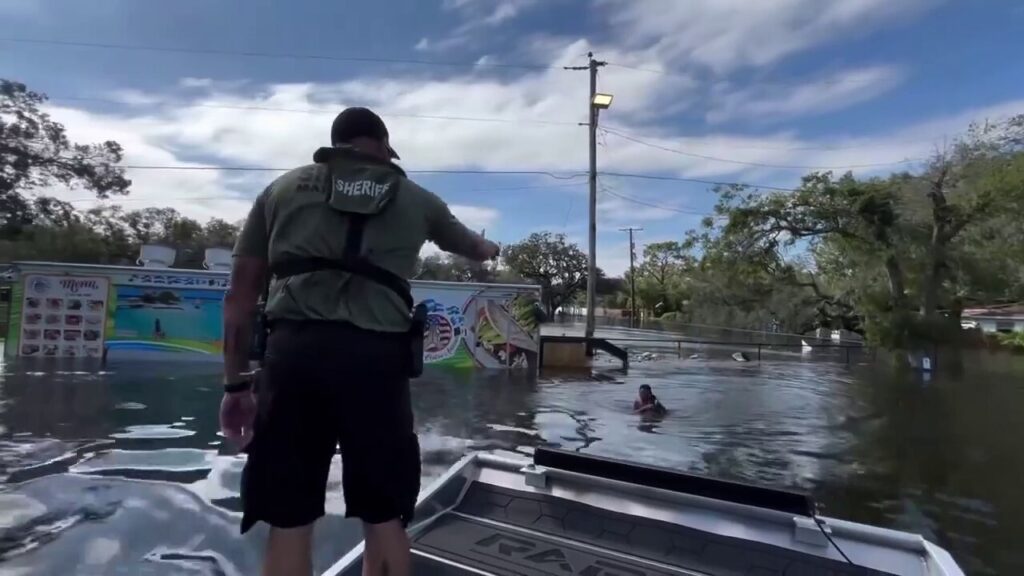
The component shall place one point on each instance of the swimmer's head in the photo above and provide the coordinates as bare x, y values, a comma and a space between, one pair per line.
645, 392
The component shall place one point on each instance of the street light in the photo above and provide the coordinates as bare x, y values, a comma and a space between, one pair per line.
602, 101
598, 102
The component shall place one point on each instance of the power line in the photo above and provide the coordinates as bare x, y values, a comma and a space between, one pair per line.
790, 82
651, 204
280, 55
557, 176
820, 147
236, 197
564, 176
328, 111
694, 181
747, 163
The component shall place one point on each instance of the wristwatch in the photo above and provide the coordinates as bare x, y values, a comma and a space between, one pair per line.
242, 385
239, 386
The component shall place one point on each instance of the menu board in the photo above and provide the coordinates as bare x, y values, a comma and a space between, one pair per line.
63, 316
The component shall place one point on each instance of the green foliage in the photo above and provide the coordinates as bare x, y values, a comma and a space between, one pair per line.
35, 153
452, 268
559, 267
893, 258
1011, 339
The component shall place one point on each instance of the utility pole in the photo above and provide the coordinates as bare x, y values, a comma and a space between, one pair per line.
593, 109
632, 274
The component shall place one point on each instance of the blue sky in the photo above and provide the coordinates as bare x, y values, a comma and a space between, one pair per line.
742, 91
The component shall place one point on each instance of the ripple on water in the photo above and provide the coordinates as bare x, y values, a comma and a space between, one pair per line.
168, 459
153, 431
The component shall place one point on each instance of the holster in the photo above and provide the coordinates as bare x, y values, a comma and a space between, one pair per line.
416, 330
260, 333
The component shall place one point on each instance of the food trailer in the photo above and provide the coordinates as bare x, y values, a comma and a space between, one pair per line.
154, 312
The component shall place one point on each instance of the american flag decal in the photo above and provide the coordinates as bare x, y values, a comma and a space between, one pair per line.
438, 334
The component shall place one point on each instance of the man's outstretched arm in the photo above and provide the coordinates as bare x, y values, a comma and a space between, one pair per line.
452, 236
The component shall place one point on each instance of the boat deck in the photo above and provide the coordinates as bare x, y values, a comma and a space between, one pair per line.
496, 530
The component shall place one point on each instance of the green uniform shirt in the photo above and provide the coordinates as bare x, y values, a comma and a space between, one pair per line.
296, 217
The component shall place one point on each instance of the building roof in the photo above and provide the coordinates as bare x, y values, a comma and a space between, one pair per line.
1014, 311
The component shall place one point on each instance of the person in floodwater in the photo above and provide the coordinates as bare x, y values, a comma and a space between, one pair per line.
338, 238
647, 403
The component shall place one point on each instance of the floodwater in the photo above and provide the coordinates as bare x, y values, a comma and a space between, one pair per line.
122, 471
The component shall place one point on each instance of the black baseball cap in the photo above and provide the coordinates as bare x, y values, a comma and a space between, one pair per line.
359, 122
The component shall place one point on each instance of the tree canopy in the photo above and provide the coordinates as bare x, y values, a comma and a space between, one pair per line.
558, 266
896, 258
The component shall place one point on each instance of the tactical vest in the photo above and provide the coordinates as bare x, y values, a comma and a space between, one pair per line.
360, 192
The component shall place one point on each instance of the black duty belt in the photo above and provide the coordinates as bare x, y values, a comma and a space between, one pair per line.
352, 261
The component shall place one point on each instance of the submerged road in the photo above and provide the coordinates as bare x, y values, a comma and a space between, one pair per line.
123, 471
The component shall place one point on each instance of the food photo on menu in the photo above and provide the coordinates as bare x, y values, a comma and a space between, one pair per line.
33, 303
70, 350
50, 349
93, 320
72, 335
52, 319
74, 304
31, 334
33, 318
51, 335
54, 304
93, 351
28, 349
91, 335
73, 319
95, 305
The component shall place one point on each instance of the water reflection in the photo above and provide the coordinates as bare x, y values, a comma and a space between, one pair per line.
937, 458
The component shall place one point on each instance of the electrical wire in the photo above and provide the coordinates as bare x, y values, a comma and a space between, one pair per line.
695, 181
236, 197
330, 111
557, 176
747, 163
279, 55
566, 176
640, 202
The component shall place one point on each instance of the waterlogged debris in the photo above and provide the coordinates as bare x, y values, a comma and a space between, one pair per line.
130, 406
646, 357
203, 562
153, 431
694, 356
503, 428
740, 357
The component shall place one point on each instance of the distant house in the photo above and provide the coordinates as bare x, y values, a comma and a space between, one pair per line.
1006, 318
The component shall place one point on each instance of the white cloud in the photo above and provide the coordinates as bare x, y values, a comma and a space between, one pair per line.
477, 218
768, 103
189, 82
724, 35
478, 15
182, 133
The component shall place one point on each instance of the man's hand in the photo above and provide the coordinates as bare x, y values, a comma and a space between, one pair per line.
237, 416
489, 250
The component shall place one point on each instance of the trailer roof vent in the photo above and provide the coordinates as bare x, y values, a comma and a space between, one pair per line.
156, 256
217, 259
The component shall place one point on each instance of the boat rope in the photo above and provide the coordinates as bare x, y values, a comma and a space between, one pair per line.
821, 526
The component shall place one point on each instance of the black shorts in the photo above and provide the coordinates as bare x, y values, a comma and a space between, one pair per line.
324, 386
